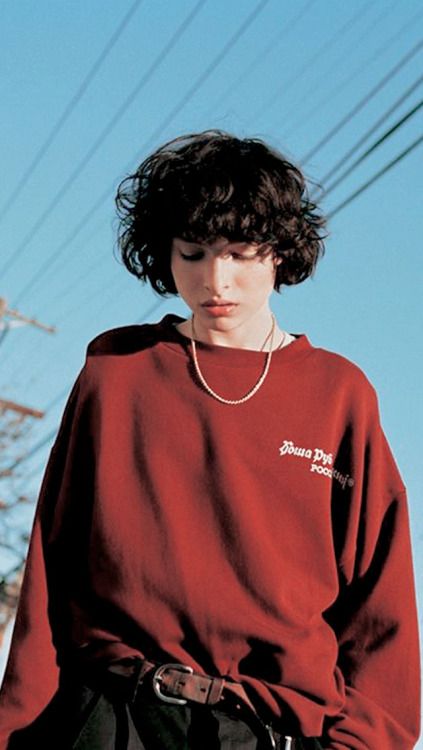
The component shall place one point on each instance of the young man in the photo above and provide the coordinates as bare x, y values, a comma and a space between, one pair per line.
221, 556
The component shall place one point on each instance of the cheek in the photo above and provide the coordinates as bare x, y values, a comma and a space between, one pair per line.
184, 277
177, 277
262, 283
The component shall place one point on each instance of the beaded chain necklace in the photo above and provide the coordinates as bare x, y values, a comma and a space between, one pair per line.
254, 389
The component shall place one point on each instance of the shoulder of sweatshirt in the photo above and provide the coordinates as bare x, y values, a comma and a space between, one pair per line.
133, 338
124, 340
338, 371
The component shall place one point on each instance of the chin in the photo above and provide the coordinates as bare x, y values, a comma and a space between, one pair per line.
222, 324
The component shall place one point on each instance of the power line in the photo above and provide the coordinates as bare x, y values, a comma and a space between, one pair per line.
88, 298
69, 108
103, 135
284, 86
82, 276
175, 110
52, 434
203, 77
344, 120
323, 76
270, 47
54, 257
178, 107
374, 146
150, 310
376, 177
387, 45
371, 130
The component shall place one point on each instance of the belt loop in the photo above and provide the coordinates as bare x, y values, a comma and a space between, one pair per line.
136, 678
130, 671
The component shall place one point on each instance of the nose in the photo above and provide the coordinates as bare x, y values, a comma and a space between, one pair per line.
216, 275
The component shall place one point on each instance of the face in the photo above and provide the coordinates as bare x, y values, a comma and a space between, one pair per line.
227, 285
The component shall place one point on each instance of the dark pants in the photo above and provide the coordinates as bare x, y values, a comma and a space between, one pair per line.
84, 718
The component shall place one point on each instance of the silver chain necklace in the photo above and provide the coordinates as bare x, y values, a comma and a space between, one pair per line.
253, 390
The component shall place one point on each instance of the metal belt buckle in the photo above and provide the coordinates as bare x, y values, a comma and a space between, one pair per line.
271, 736
287, 745
158, 677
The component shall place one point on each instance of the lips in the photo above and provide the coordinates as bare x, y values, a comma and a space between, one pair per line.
218, 308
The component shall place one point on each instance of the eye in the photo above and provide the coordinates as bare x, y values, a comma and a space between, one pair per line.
192, 256
243, 256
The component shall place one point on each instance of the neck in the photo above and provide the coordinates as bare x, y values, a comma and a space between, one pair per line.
254, 336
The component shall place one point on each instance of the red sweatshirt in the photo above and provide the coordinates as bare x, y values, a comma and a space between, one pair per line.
268, 541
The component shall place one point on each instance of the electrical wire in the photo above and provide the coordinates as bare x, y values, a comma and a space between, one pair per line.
52, 434
202, 78
357, 107
370, 131
71, 105
341, 86
82, 276
178, 107
375, 177
373, 147
102, 137
89, 298
182, 103
54, 257
323, 49
258, 59
333, 68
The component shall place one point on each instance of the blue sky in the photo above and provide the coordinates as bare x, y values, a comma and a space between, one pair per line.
285, 72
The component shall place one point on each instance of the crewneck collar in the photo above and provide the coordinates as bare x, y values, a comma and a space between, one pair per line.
225, 355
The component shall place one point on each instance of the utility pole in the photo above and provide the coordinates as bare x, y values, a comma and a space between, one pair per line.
11, 430
18, 319
24, 411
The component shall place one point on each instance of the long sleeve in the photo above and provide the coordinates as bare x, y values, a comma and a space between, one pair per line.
375, 616
31, 675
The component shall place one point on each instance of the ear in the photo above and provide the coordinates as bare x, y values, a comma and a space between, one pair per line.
277, 261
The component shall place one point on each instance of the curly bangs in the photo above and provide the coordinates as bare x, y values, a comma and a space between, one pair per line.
211, 185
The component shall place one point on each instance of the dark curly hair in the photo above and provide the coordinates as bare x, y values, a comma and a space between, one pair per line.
210, 185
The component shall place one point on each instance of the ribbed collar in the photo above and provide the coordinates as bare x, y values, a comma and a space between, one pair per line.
226, 356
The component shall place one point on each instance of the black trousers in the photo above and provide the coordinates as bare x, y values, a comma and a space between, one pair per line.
84, 718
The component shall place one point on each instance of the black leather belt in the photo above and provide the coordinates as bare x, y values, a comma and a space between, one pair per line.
178, 684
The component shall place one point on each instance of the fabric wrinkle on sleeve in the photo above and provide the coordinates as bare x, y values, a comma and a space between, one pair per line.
31, 675
374, 617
